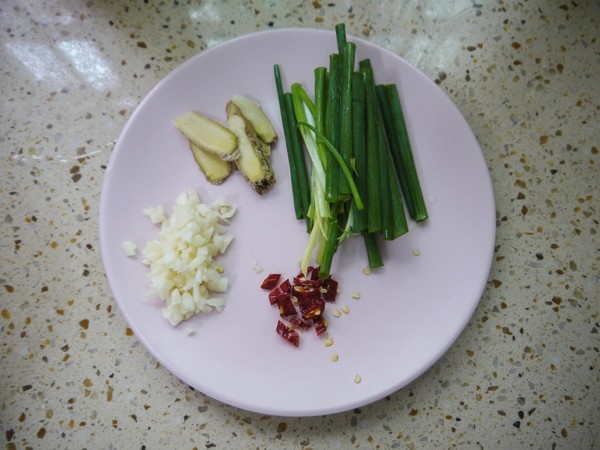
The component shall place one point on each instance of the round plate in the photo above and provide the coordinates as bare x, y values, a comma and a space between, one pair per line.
409, 312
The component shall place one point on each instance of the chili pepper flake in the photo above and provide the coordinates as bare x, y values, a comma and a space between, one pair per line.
301, 303
271, 281
288, 333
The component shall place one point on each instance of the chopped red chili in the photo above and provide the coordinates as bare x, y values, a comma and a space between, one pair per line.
288, 333
297, 321
271, 281
320, 325
301, 302
286, 306
313, 272
302, 281
282, 290
311, 307
305, 292
331, 287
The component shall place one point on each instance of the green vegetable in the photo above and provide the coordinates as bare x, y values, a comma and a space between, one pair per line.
354, 134
340, 161
402, 151
298, 156
319, 112
374, 199
299, 179
319, 210
332, 242
346, 111
387, 223
393, 217
400, 226
340, 35
332, 124
359, 147
373, 255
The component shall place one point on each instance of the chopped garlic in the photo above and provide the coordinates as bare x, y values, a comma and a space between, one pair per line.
183, 272
256, 267
416, 252
366, 271
345, 309
335, 357
357, 379
129, 248
356, 295
226, 211
156, 214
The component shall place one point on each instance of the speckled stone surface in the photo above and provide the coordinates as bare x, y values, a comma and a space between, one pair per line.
524, 374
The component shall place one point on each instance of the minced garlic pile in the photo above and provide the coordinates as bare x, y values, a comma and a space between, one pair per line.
183, 272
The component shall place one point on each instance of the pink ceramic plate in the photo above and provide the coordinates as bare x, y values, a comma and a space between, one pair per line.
409, 312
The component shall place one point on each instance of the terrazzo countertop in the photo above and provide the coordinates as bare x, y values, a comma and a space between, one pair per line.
524, 373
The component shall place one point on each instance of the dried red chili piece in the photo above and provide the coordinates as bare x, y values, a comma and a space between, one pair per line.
305, 292
271, 281
299, 322
286, 306
330, 286
301, 280
288, 333
301, 304
282, 290
311, 307
320, 325
313, 272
